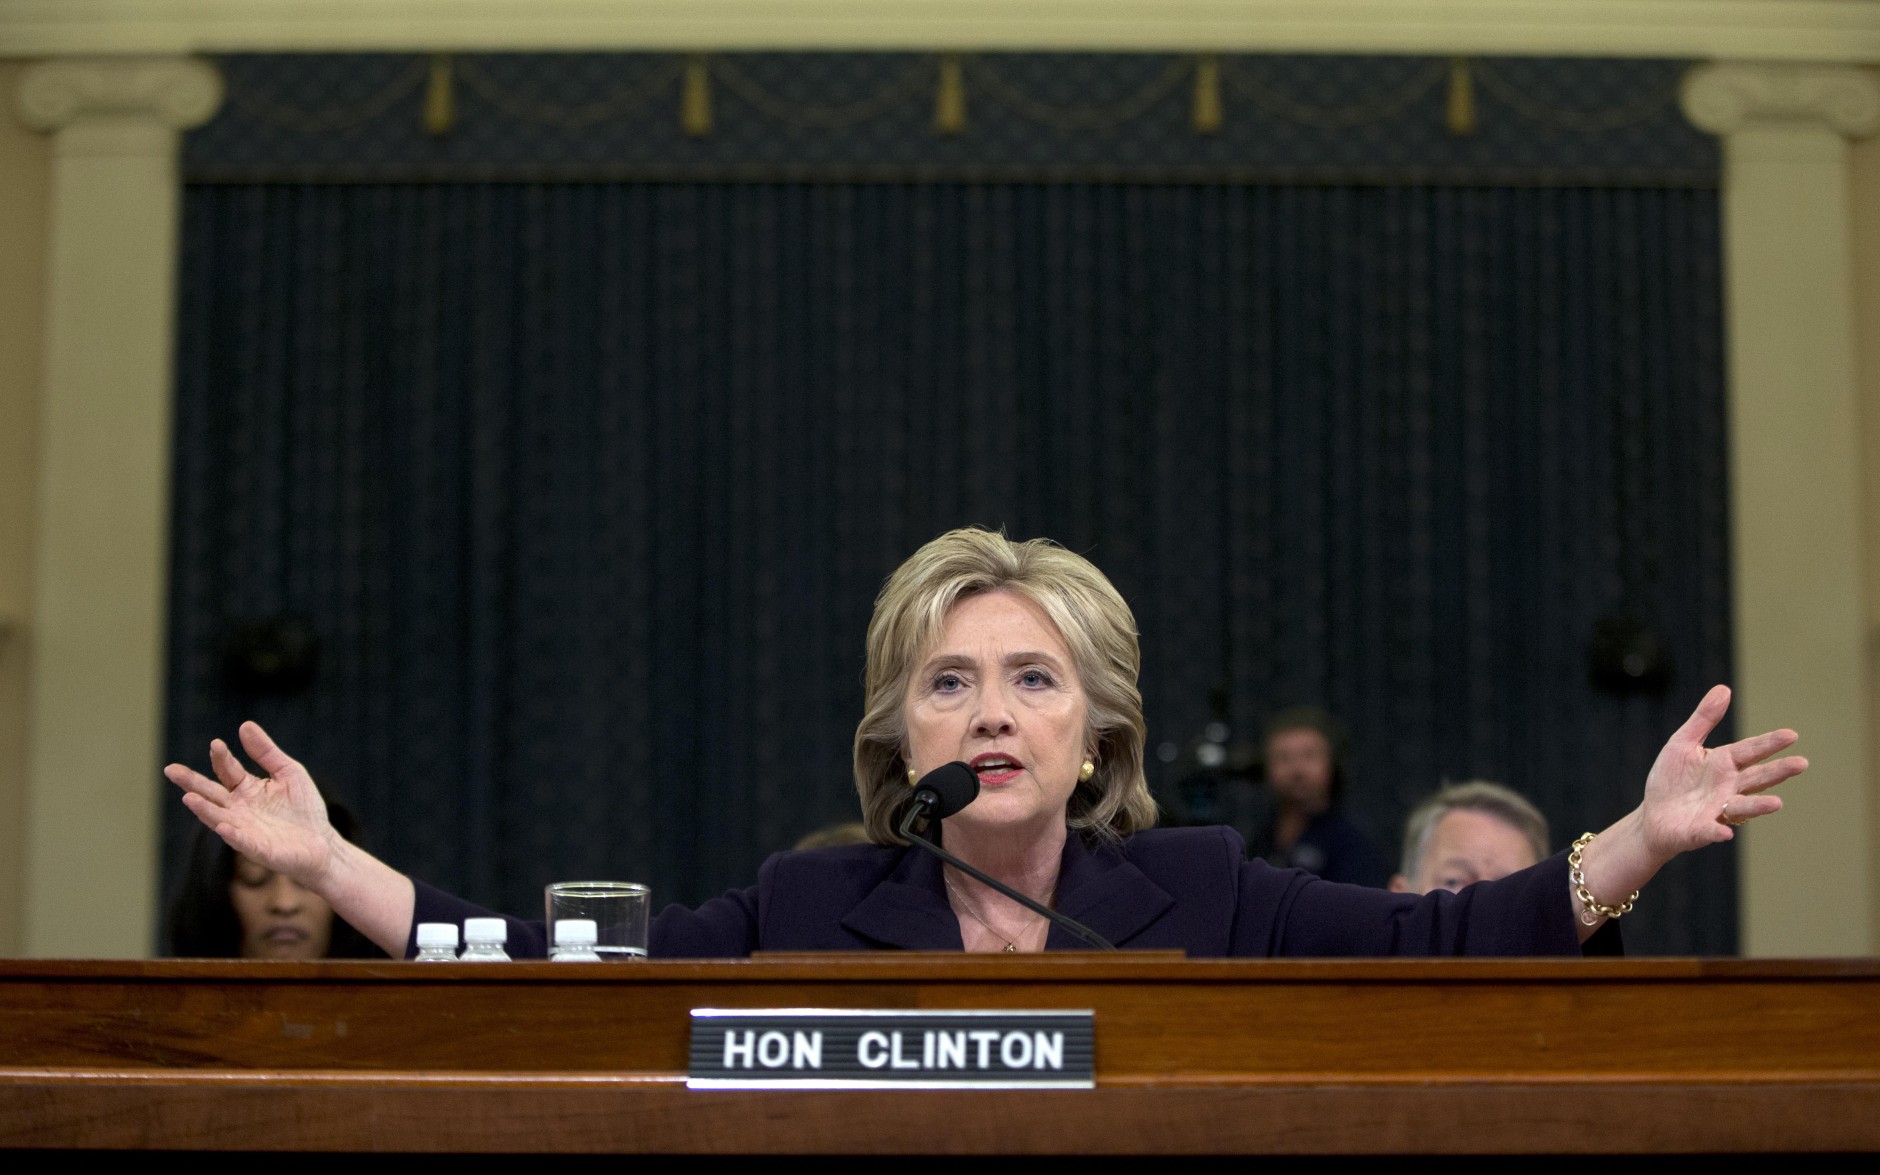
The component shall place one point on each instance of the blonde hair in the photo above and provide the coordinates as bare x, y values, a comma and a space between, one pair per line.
1095, 623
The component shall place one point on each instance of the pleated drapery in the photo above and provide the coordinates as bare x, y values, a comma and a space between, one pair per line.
587, 488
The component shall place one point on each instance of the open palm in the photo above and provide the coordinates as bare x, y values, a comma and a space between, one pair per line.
277, 819
1696, 795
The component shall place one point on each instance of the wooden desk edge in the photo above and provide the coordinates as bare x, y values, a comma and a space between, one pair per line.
942, 967
201, 1105
588, 1116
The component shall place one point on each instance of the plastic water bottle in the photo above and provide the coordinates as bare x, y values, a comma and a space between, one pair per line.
483, 941
437, 942
574, 941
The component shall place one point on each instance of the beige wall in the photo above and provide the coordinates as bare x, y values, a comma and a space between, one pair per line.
25, 170
1864, 179
101, 517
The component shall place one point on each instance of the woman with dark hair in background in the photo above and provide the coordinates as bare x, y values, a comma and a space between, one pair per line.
229, 907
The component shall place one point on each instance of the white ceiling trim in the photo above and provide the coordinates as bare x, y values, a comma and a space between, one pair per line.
1776, 30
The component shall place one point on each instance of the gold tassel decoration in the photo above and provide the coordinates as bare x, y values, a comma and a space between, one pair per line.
949, 100
440, 98
1207, 113
1461, 97
695, 103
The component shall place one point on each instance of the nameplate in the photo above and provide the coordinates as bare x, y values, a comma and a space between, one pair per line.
840, 1048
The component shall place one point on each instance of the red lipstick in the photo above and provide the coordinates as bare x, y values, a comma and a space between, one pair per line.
994, 768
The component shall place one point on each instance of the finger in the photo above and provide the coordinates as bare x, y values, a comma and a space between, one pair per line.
1764, 776
195, 782
262, 749
1755, 750
208, 811
226, 766
1704, 719
1742, 809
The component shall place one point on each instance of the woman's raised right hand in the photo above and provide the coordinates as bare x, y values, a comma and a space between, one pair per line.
276, 820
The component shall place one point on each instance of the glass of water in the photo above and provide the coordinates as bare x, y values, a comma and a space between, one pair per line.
617, 908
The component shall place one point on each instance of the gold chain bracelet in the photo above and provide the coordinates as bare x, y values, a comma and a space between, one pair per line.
1590, 909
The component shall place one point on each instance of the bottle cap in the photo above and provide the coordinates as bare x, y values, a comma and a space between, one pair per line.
485, 930
437, 934
575, 932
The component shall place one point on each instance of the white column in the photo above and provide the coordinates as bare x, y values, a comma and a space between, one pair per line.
1810, 885
101, 523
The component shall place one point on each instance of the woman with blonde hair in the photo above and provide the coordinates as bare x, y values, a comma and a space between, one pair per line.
1020, 660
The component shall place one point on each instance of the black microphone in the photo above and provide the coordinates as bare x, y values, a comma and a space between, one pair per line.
944, 791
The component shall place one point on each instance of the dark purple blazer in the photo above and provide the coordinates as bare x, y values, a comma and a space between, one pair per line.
1189, 889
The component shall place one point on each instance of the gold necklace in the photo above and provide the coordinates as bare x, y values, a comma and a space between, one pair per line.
1011, 947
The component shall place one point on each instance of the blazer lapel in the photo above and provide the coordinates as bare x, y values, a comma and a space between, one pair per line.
1098, 887
1102, 889
908, 909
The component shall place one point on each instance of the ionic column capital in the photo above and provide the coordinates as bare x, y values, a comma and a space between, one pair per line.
173, 92
1727, 96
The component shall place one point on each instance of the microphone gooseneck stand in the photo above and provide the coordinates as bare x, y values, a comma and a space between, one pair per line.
944, 791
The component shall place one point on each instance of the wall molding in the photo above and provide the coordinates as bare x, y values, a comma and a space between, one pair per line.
1789, 30
177, 93
1727, 97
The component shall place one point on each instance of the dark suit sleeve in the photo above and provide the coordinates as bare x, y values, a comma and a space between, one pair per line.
723, 928
527, 940
1289, 913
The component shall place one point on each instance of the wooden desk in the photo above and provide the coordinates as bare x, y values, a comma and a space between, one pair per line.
1195, 1057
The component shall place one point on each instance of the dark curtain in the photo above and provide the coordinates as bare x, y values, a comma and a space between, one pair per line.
587, 488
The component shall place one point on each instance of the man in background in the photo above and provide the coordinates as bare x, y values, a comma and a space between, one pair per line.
1469, 832
1305, 777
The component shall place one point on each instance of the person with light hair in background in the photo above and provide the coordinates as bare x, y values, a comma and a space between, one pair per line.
1469, 832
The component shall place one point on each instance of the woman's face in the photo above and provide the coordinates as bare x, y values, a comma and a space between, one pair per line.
279, 919
999, 691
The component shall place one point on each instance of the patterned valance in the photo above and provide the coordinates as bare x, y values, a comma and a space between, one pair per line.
952, 117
